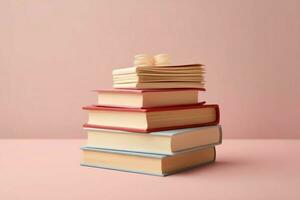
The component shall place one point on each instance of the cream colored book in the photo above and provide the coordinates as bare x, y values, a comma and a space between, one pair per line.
175, 69
152, 77
161, 142
152, 164
147, 98
161, 85
145, 79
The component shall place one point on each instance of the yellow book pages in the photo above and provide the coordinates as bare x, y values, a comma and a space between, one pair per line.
174, 69
152, 164
160, 85
161, 142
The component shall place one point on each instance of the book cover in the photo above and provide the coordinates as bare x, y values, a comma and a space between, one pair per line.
145, 110
162, 142
146, 155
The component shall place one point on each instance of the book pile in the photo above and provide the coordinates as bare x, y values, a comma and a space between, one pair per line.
152, 122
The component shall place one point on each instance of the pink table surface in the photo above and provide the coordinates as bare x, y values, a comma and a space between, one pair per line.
245, 169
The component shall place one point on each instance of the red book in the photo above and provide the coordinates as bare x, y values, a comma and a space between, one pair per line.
146, 120
147, 98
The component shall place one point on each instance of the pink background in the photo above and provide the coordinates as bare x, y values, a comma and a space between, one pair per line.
53, 53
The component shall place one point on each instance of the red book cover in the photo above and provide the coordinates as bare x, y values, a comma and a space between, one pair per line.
145, 90
159, 109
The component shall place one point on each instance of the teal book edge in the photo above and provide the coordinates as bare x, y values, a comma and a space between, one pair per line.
135, 153
142, 154
162, 133
145, 173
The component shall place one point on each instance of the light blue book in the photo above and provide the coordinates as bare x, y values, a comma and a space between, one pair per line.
146, 163
161, 142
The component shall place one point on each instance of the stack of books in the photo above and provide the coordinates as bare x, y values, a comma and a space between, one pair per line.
152, 122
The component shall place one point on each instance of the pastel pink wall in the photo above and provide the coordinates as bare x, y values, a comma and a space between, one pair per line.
52, 53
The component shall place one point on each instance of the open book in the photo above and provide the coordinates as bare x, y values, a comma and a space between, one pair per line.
151, 77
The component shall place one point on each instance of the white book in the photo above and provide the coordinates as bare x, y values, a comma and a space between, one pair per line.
161, 142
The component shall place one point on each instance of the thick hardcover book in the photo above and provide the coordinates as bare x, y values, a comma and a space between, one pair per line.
147, 98
162, 142
152, 164
189, 69
145, 120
